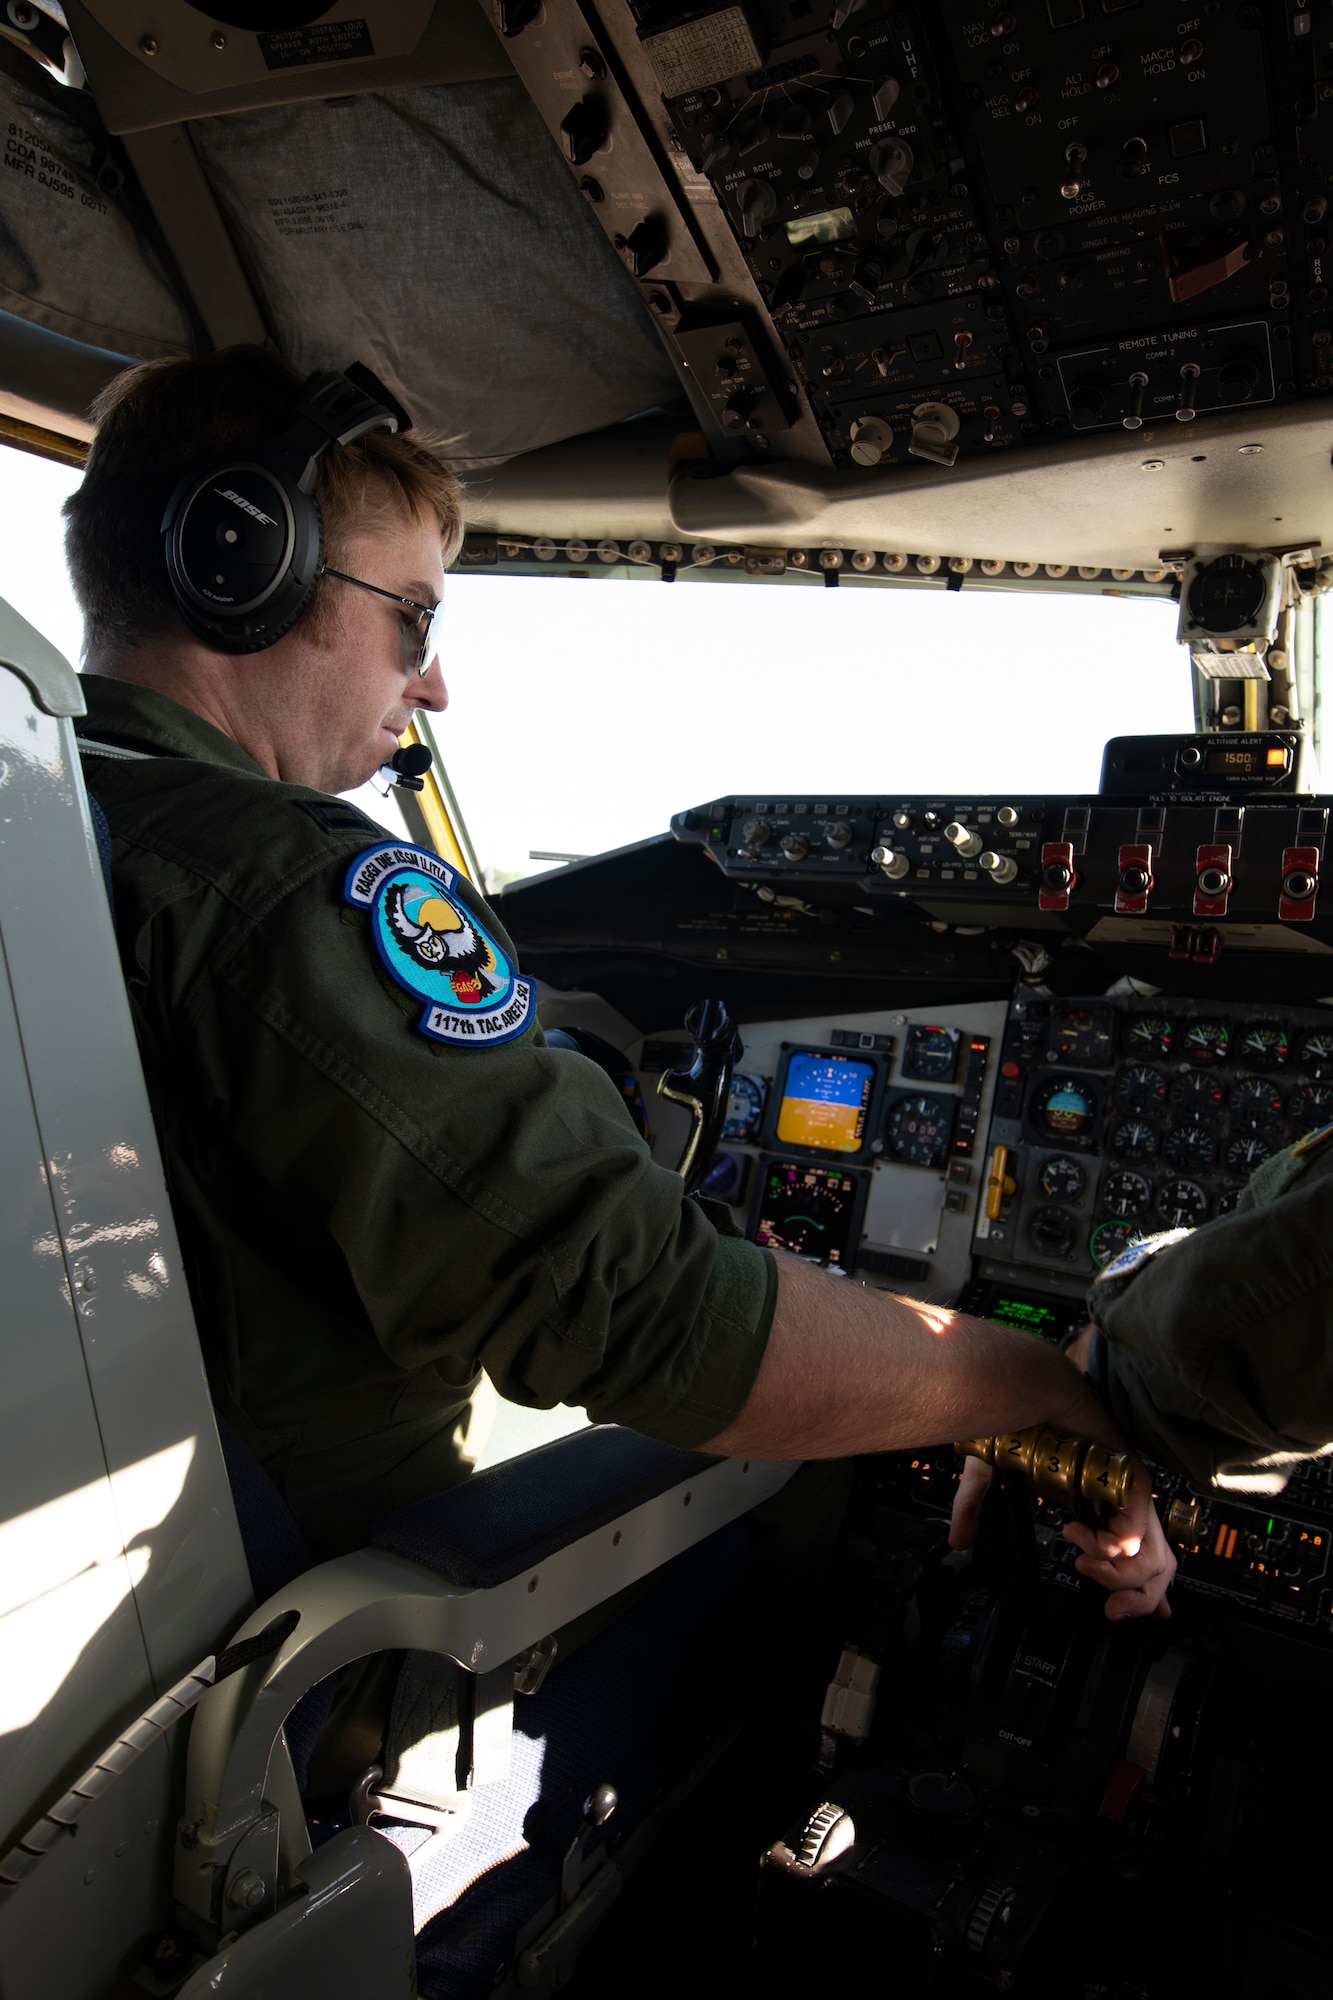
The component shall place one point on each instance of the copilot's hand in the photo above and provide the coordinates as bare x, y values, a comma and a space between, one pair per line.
1130, 1557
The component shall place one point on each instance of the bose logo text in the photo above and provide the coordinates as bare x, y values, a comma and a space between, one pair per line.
246, 506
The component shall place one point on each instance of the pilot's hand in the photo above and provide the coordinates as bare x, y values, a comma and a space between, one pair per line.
1130, 1558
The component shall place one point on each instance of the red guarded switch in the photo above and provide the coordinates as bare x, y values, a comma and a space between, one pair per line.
1300, 884
1057, 875
1134, 884
1212, 881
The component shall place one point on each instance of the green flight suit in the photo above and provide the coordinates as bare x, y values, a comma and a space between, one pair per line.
368, 1216
1215, 1354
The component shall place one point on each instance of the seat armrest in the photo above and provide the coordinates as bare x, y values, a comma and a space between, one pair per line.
377, 1601
508, 1519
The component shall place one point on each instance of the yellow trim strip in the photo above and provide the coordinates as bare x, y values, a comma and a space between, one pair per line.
440, 808
41, 443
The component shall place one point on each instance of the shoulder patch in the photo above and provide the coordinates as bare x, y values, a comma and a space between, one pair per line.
1137, 1254
337, 816
431, 943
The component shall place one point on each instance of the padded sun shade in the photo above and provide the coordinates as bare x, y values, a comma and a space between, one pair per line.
70, 257
437, 235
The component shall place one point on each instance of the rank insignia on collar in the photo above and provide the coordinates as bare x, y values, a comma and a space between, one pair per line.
434, 946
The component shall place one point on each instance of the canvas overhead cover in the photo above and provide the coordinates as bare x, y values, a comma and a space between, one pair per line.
434, 234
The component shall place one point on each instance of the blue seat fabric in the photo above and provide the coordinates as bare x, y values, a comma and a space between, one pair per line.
499, 1523
635, 1707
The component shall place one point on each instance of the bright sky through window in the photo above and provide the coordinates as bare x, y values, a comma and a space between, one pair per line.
583, 713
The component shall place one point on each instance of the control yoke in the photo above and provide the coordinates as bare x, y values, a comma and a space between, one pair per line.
705, 1087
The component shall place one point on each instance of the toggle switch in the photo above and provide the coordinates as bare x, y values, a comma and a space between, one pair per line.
1057, 875
1300, 884
1213, 881
1134, 885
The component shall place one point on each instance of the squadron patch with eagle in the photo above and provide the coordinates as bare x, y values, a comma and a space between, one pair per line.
435, 948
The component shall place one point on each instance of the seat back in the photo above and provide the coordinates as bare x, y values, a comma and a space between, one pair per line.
120, 1560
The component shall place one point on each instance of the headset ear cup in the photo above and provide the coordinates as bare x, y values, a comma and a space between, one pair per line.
243, 547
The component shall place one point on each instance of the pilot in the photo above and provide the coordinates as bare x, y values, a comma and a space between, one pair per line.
385, 1183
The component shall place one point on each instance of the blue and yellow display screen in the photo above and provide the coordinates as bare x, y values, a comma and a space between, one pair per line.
824, 1102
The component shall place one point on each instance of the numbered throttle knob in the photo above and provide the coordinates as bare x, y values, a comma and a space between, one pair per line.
1071, 1471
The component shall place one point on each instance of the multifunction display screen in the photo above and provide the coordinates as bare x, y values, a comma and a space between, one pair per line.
824, 1102
808, 1209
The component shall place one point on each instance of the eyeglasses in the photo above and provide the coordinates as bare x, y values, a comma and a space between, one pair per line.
422, 630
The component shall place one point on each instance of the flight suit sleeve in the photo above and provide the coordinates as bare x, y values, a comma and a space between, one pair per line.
495, 1205
1216, 1354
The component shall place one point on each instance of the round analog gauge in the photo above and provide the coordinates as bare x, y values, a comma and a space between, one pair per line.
1247, 1151
1134, 1139
1053, 1231
1065, 1106
1227, 1200
1315, 1052
1226, 595
1181, 1203
1062, 1180
1262, 1045
745, 1108
1190, 1148
917, 1129
1109, 1239
1204, 1041
1149, 1035
1080, 1035
1141, 1088
931, 1054
1197, 1096
1311, 1105
1125, 1193
1254, 1102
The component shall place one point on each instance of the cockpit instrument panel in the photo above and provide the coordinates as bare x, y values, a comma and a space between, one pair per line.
823, 1100
811, 1210
745, 1108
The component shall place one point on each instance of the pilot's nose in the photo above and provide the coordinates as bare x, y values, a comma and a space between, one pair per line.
430, 691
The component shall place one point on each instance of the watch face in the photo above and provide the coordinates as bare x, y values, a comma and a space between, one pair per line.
1226, 595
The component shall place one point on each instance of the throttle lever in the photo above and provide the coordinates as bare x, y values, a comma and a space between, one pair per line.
705, 1087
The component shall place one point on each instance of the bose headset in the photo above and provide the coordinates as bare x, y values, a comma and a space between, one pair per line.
244, 537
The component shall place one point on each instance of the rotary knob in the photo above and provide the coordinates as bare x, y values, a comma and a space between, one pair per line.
992, 1913
1001, 868
795, 846
1007, 816
584, 130
838, 835
891, 863
902, 819
962, 837
756, 832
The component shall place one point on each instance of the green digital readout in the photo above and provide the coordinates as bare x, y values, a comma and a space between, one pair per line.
1030, 1315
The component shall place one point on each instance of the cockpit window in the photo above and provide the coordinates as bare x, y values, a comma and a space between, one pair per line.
584, 713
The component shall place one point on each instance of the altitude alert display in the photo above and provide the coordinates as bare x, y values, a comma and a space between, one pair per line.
810, 1210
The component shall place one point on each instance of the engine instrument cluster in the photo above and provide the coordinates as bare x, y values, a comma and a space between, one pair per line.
1116, 1118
